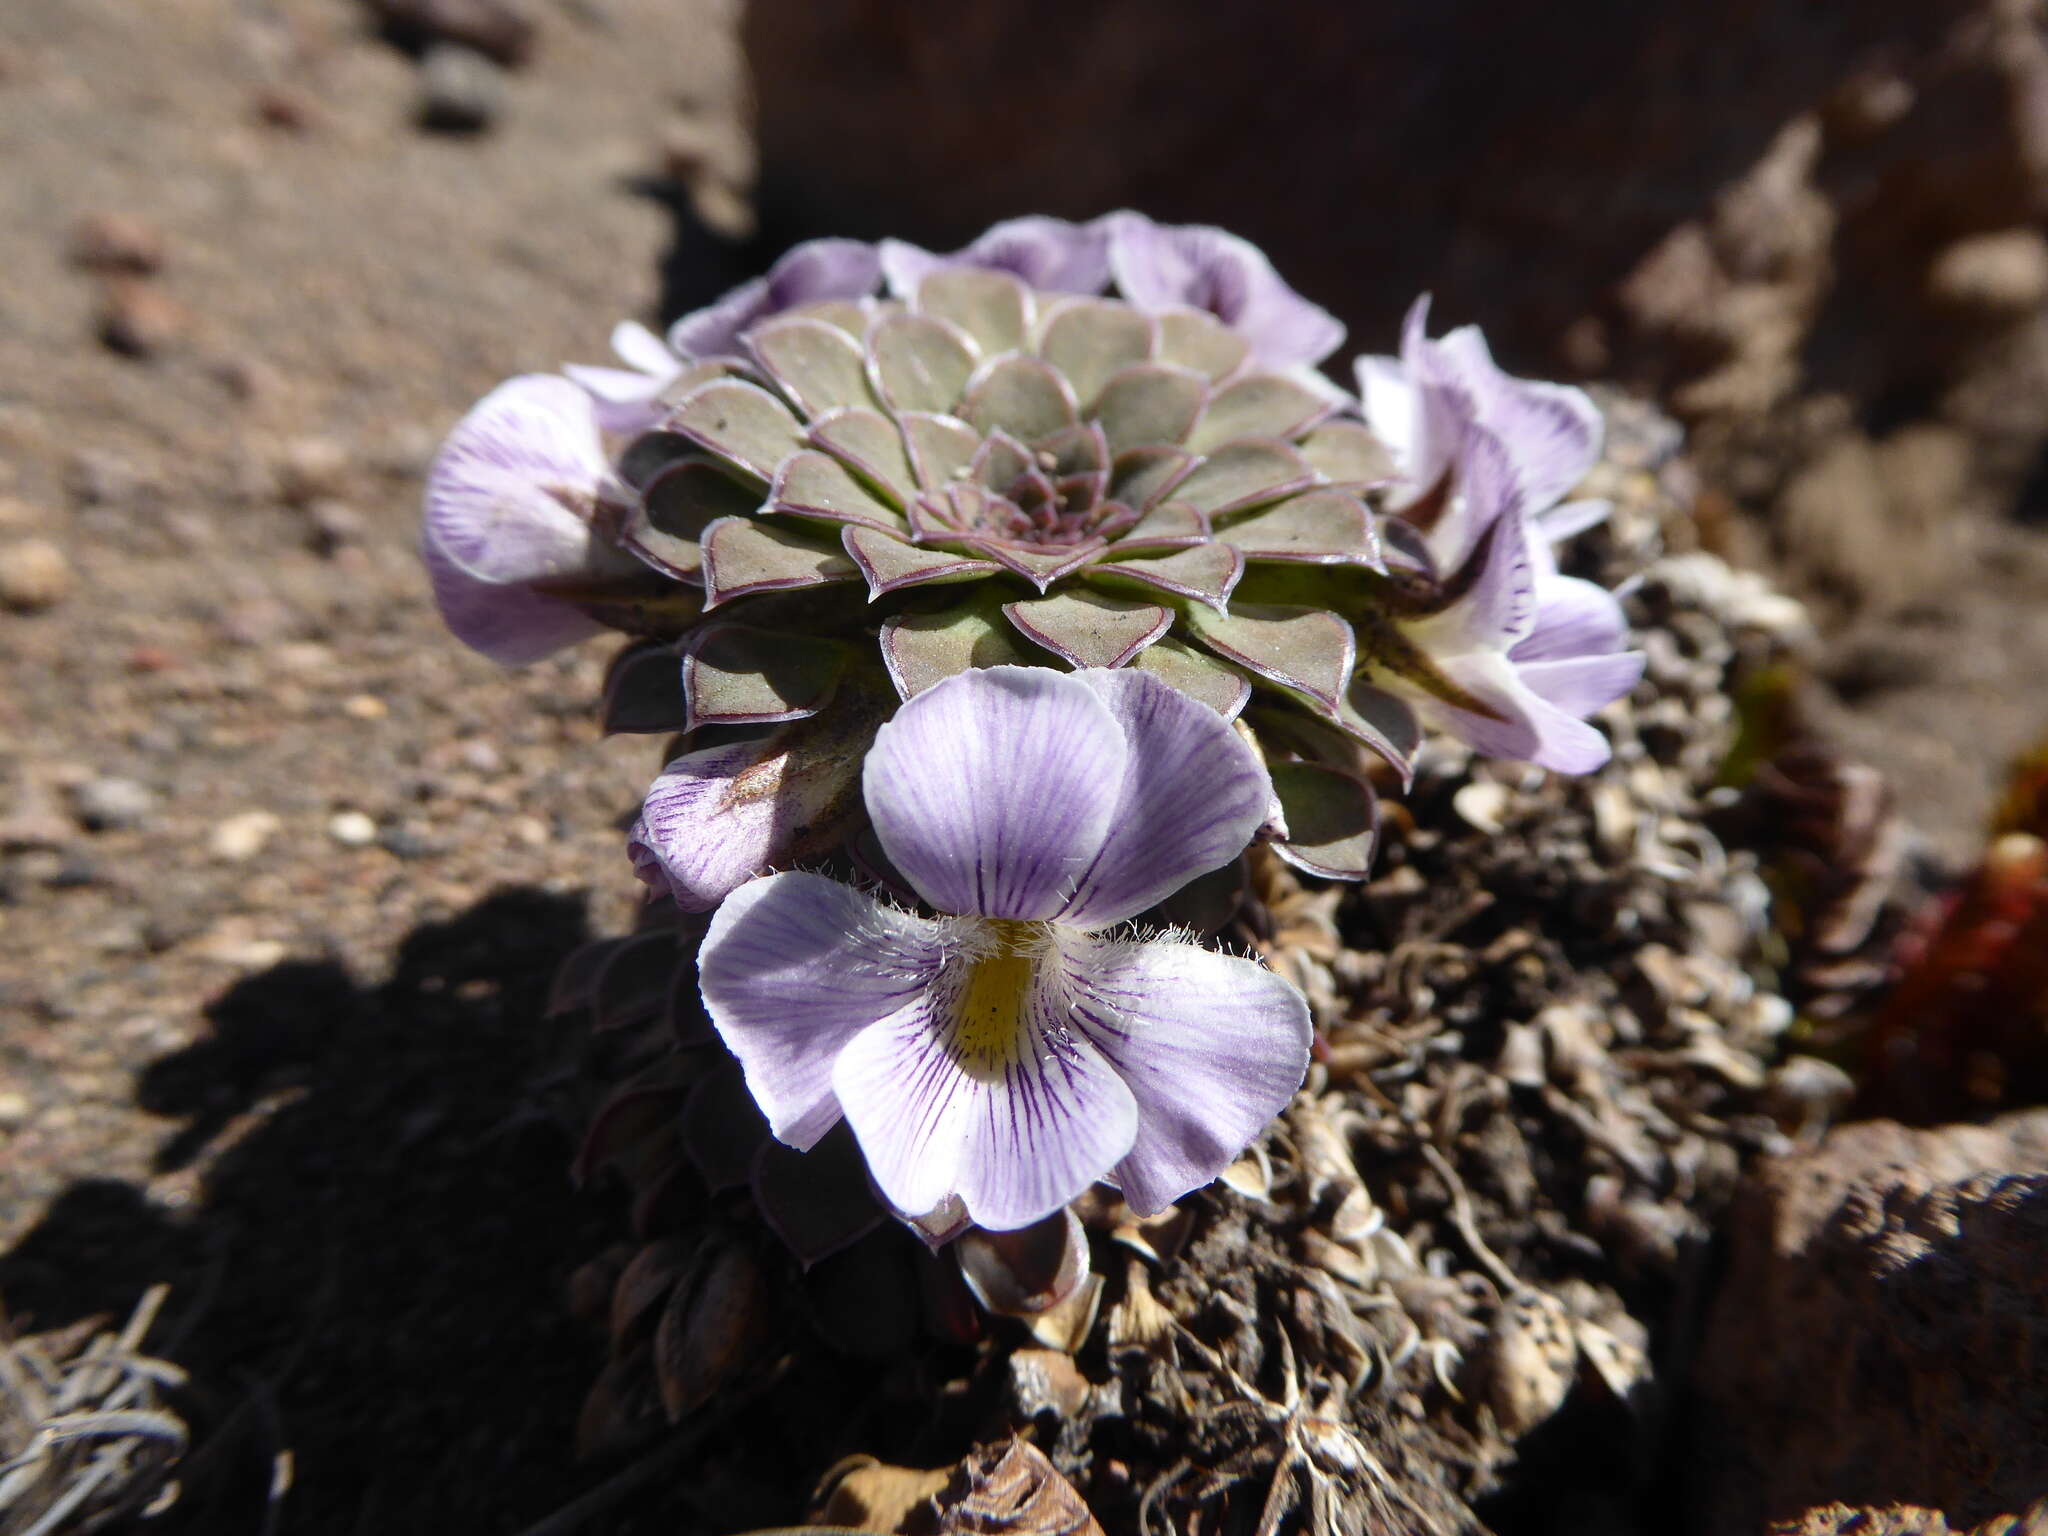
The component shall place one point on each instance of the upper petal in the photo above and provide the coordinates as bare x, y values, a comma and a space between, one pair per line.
1526, 726
510, 493
818, 270
1192, 796
1573, 618
1210, 1046
1047, 253
1015, 1133
993, 790
791, 969
1198, 266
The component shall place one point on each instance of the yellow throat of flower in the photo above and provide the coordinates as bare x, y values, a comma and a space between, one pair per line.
989, 1028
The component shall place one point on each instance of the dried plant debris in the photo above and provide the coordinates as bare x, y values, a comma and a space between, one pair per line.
86, 1438
1550, 1033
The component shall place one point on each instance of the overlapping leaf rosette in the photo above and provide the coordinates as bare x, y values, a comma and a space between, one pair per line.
1101, 449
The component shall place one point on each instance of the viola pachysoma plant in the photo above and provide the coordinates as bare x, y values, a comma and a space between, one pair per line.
1045, 575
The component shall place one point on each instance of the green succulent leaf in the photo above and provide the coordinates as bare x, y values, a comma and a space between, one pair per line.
817, 365
1201, 677
1024, 396
1000, 461
1149, 403
869, 444
701, 372
889, 564
816, 485
1387, 652
1040, 567
665, 611
992, 307
1319, 527
733, 674
742, 423
1089, 340
1384, 722
652, 452
847, 314
1333, 820
1086, 630
924, 649
1189, 338
940, 447
1259, 405
1170, 525
1143, 477
643, 691
1205, 573
1239, 476
1345, 453
1308, 651
743, 555
665, 526
917, 363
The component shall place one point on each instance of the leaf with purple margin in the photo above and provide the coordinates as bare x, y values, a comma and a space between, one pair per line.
816, 485
1088, 340
1307, 650
1200, 676
1383, 722
817, 365
889, 564
1142, 477
1150, 403
666, 527
1333, 820
916, 363
744, 555
1346, 453
643, 692
741, 423
992, 307
1206, 573
818, 1202
722, 1128
1089, 631
868, 443
940, 447
1318, 527
1022, 395
1258, 405
1192, 339
736, 675
1170, 525
1040, 567
1251, 472
922, 649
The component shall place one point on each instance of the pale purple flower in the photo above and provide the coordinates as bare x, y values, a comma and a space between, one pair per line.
811, 273
1007, 1053
1195, 266
628, 399
510, 501
1421, 404
1538, 649
1046, 253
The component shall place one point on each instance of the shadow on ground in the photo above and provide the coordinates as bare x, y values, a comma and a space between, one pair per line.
369, 1272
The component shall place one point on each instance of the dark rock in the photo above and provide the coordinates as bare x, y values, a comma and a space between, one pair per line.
117, 242
1882, 1334
106, 804
138, 319
502, 30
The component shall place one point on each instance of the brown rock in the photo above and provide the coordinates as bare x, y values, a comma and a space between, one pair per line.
503, 30
1882, 1334
138, 319
34, 574
117, 242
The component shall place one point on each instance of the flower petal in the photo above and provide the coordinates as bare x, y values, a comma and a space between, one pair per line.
510, 493
1529, 728
792, 968
1196, 266
1210, 1046
1573, 618
1190, 797
993, 791
810, 273
1580, 685
1046, 253
1015, 1134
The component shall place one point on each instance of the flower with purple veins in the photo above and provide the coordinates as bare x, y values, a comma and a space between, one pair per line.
1524, 653
512, 500
1196, 266
1007, 1053
1049, 254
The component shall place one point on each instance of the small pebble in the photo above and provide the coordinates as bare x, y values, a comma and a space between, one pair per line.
332, 523
34, 574
241, 838
365, 706
408, 843
461, 91
310, 468
138, 319
103, 805
352, 829
117, 242
14, 1110
505, 30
